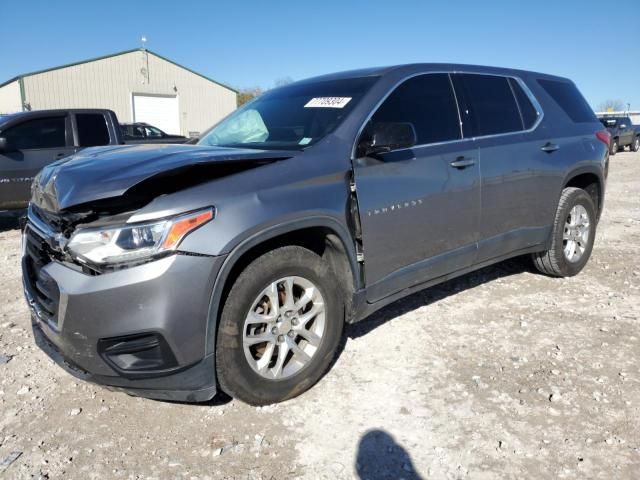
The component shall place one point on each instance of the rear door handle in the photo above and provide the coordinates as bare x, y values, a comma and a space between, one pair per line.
60, 155
550, 147
462, 162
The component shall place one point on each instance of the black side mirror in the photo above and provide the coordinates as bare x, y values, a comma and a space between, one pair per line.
4, 147
388, 136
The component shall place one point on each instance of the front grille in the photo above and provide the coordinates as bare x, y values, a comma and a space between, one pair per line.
43, 289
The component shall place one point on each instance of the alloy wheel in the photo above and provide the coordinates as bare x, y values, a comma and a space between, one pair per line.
284, 328
577, 229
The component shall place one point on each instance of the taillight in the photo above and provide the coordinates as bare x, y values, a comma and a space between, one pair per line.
604, 136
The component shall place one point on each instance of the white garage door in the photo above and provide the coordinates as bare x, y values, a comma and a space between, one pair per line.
161, 112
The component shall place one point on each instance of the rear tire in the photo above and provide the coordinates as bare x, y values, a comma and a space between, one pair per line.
635, 146
250, 370
574, 230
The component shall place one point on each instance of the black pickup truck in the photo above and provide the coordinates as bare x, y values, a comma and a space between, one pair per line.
623, 133
30, 141
141, 132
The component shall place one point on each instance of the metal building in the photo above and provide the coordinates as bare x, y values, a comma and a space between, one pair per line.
139, 85
634, 116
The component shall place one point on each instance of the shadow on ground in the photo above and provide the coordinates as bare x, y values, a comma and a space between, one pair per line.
381, 457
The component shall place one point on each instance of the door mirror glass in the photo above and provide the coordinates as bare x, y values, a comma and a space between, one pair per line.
388, 136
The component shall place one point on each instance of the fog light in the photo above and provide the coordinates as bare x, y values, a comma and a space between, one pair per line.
137, 353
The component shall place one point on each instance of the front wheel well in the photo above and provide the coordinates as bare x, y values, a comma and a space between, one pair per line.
323, 241
590, 183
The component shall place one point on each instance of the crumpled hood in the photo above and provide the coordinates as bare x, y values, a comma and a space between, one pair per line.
106, 172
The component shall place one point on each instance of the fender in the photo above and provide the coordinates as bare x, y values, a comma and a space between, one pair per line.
256, 239
594, 169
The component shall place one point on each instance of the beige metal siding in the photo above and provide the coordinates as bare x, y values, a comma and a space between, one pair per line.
110, 83
10, 100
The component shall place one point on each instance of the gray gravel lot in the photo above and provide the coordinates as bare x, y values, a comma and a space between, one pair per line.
503, 373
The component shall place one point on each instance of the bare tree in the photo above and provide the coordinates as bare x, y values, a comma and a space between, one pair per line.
247, 94
611, 105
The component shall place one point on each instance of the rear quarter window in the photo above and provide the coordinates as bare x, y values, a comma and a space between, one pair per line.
569, 99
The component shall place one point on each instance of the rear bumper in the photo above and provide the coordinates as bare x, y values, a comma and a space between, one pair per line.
142, 329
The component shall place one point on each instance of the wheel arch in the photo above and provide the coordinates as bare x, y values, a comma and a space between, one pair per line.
319, 233
591, 181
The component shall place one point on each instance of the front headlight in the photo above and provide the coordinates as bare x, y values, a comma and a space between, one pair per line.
126, 243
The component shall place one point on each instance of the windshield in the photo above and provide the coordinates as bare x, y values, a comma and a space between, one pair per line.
291, 117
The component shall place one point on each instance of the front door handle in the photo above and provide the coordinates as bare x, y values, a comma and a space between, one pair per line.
60, 155
462, 162
550, 147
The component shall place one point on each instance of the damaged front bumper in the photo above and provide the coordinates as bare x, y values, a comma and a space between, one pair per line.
141, 329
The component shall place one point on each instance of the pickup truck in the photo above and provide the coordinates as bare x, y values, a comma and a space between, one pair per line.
30, 141
623, 133
141, 132
176, 271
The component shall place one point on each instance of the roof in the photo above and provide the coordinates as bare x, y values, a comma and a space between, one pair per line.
37, 72
412, 68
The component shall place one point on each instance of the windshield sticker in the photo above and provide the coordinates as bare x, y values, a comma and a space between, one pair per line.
327, 102
304, 141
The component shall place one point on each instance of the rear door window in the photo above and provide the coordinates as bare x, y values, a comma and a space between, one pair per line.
527, 110
37, 133
426, 101
567, 96
92, 130
489, 104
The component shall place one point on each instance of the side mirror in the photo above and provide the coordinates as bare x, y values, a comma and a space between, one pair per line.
4, 147
388, 136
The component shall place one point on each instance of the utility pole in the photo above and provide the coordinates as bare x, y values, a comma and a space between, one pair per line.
145, 69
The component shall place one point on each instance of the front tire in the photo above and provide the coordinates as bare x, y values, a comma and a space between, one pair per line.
280, 327
573, 235
635, 146
614, 147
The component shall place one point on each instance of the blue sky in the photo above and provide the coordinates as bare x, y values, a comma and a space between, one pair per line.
255, 43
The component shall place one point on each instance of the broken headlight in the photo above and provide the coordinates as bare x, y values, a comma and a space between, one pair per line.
126, 243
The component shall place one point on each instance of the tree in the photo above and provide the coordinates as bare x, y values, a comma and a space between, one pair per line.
611, 105
247, 94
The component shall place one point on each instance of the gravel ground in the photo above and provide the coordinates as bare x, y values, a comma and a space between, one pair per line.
503, 373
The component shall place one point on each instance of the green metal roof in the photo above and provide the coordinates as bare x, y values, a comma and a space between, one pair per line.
19, 77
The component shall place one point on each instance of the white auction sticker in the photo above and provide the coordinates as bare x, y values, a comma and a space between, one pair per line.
327, 102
